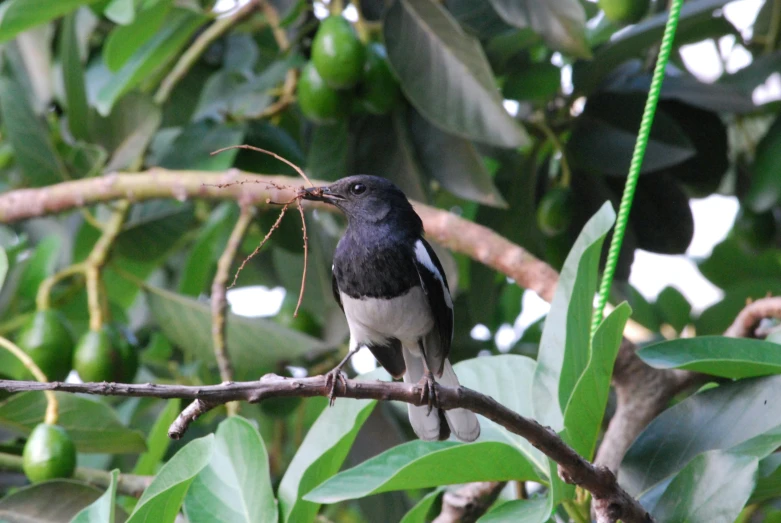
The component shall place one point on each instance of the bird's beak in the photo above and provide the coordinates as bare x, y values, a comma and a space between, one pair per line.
321, 194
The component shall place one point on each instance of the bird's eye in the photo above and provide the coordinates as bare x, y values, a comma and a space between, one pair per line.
357, 188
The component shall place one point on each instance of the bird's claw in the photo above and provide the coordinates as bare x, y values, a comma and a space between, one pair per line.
330, 382
428, 391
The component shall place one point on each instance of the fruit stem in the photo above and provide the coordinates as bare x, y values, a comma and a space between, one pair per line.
43, 298
360, 24
566, 174
336, 7
97, 259
52, 407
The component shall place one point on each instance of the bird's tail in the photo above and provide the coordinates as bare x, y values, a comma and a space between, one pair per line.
434, 426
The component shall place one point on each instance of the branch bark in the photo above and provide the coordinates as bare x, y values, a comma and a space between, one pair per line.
611, 502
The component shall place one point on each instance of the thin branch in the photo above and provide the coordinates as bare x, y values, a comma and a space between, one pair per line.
261, 244
270, 153
219, 300
611, 501
466, 504
455, 233
198, 47
306, 258
127, 484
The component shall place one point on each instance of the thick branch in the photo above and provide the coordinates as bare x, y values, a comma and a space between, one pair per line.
457, 234
468, 503
615, 503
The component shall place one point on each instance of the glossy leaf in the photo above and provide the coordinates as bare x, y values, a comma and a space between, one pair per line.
157, 441
63, 500
673, 308
102, 510
322, 453
193, 148
730, 265
562, 23
714, 486
19, 15
33, 148
520, 511
73, 79
445, 74
768, 479
731, 415
418, 513
93, 425
125, 40
454, 162
586, 407
564, 347
161, 500
327, 156
254, 344
175, 33
733, 358
235, 485
765, 188
153, 228
421, 464
209, 244
604, 137
40, 265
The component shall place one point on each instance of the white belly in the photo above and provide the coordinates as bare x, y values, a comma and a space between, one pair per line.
373, 320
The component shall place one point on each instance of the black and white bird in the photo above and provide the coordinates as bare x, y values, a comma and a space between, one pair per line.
393, 291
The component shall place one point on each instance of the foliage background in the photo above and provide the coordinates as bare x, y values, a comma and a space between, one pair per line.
84, 93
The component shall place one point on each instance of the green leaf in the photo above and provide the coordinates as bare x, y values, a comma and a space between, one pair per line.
40, 265
519, 511
741, 413
322, 453
733, 358
565, 343
179, 25
33, 148
634, 40
765, 187
421, 464
161, 500
604, 136
235, 485
454, 162
193, 148
209, 244
768, 479
157, 441
674, 308
128, 130
562, 23
153, 228
714, 486
537, 82
419, 513
445, 74
586, 408
19, 15
326, 158
254, 344
121, 12
102, 510
125, 40
56, 501
73, 79
92, 425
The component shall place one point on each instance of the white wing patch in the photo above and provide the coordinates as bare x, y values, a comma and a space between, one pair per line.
425, 260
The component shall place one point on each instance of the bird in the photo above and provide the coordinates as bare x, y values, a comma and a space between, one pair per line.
394, 293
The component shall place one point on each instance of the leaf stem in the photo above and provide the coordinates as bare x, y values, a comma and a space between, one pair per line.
43, 297
198, 47
52, 407
566, 173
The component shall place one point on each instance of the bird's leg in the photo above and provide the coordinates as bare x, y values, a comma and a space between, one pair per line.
428, 389
336, 374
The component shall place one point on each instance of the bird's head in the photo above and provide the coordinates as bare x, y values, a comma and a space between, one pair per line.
367, 200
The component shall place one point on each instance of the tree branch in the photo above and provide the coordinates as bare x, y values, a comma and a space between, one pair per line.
468, 503
746, 322
451, 231
610, 500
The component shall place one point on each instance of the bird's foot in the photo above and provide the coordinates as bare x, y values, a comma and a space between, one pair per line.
330, 382
428, 391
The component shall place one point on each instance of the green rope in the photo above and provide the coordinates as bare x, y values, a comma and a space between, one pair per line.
637, 161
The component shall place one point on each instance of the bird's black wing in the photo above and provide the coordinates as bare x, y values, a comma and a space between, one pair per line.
434, 283
335, 289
